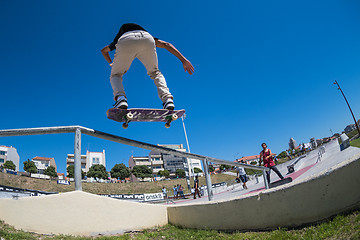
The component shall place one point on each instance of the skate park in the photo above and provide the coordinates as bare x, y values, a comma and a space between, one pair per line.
323, 186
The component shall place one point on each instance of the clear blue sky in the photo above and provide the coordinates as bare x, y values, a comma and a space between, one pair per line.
263, 73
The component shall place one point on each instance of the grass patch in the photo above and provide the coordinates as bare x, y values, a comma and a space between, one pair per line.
104, 188
341, 227
355, 143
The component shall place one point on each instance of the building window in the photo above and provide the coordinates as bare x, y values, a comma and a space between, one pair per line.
2, 153
2, 160
96, 161
46, 164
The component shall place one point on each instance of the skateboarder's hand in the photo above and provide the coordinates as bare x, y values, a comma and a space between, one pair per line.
188, 67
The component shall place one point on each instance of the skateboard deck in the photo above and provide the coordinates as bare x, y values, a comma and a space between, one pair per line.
143, 115
280, 182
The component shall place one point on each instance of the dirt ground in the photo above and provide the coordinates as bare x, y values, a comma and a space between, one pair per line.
103, 188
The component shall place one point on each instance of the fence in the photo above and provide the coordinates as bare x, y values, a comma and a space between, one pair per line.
78, 130
320, 153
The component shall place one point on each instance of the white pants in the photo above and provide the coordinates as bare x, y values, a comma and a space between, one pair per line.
141, 45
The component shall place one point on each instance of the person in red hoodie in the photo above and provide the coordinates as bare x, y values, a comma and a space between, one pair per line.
267, 158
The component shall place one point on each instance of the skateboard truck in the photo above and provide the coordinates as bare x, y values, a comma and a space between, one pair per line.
169, 119
128, 117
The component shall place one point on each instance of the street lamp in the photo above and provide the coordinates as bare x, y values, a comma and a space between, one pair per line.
188, 146
356, 124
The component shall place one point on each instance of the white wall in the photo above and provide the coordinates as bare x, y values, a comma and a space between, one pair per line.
11, 155
97, 155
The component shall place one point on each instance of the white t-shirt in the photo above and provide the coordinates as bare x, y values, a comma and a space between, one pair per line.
241, 171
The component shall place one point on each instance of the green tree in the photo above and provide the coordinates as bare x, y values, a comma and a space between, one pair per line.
224, 166
282, 154
120, 171
50, 171
30, 167
180, 173
164, 173
142, 171
71, 172
211, 168
197, 170
9, 165
98, 171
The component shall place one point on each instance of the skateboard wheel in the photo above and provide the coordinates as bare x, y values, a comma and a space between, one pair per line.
125, 125
174, 117
167, 125
129, 116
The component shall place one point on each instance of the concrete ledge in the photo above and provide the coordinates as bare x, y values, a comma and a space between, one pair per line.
80, 213
314, 199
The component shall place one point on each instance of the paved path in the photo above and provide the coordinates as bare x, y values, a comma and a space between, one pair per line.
305, 167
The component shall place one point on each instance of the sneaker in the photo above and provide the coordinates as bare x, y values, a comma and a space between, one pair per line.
169, 104
121, 103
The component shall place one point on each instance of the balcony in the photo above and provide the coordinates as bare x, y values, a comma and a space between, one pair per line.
142, 163
71, 160
156, 170
157, 162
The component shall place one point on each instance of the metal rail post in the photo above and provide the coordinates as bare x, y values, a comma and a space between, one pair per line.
265, 180
77, 160
208, 179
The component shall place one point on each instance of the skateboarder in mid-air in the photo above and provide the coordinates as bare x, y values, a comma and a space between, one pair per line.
266, 157
133, 41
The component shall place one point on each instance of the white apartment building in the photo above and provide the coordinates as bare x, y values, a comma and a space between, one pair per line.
159, 162
42, 163
91, 158
9, 154
172, 163
154, 162
139, 161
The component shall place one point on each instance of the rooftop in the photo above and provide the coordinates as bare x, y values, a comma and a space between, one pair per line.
42, 158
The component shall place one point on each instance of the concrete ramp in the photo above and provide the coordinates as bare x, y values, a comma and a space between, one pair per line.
80, 213
311, 200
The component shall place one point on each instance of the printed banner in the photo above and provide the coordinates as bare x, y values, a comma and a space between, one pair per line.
153, 197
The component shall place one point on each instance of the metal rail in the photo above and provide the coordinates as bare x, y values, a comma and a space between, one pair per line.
78, 130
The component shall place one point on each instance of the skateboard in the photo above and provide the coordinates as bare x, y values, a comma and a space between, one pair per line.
143, 115
280, 182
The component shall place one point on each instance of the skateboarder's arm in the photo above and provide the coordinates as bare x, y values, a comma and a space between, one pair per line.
105, 52
168, 46
260, 158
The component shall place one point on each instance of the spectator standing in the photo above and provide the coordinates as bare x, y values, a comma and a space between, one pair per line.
175, 191
242, 174
196, 187
181, 190
164, 192
288, 155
